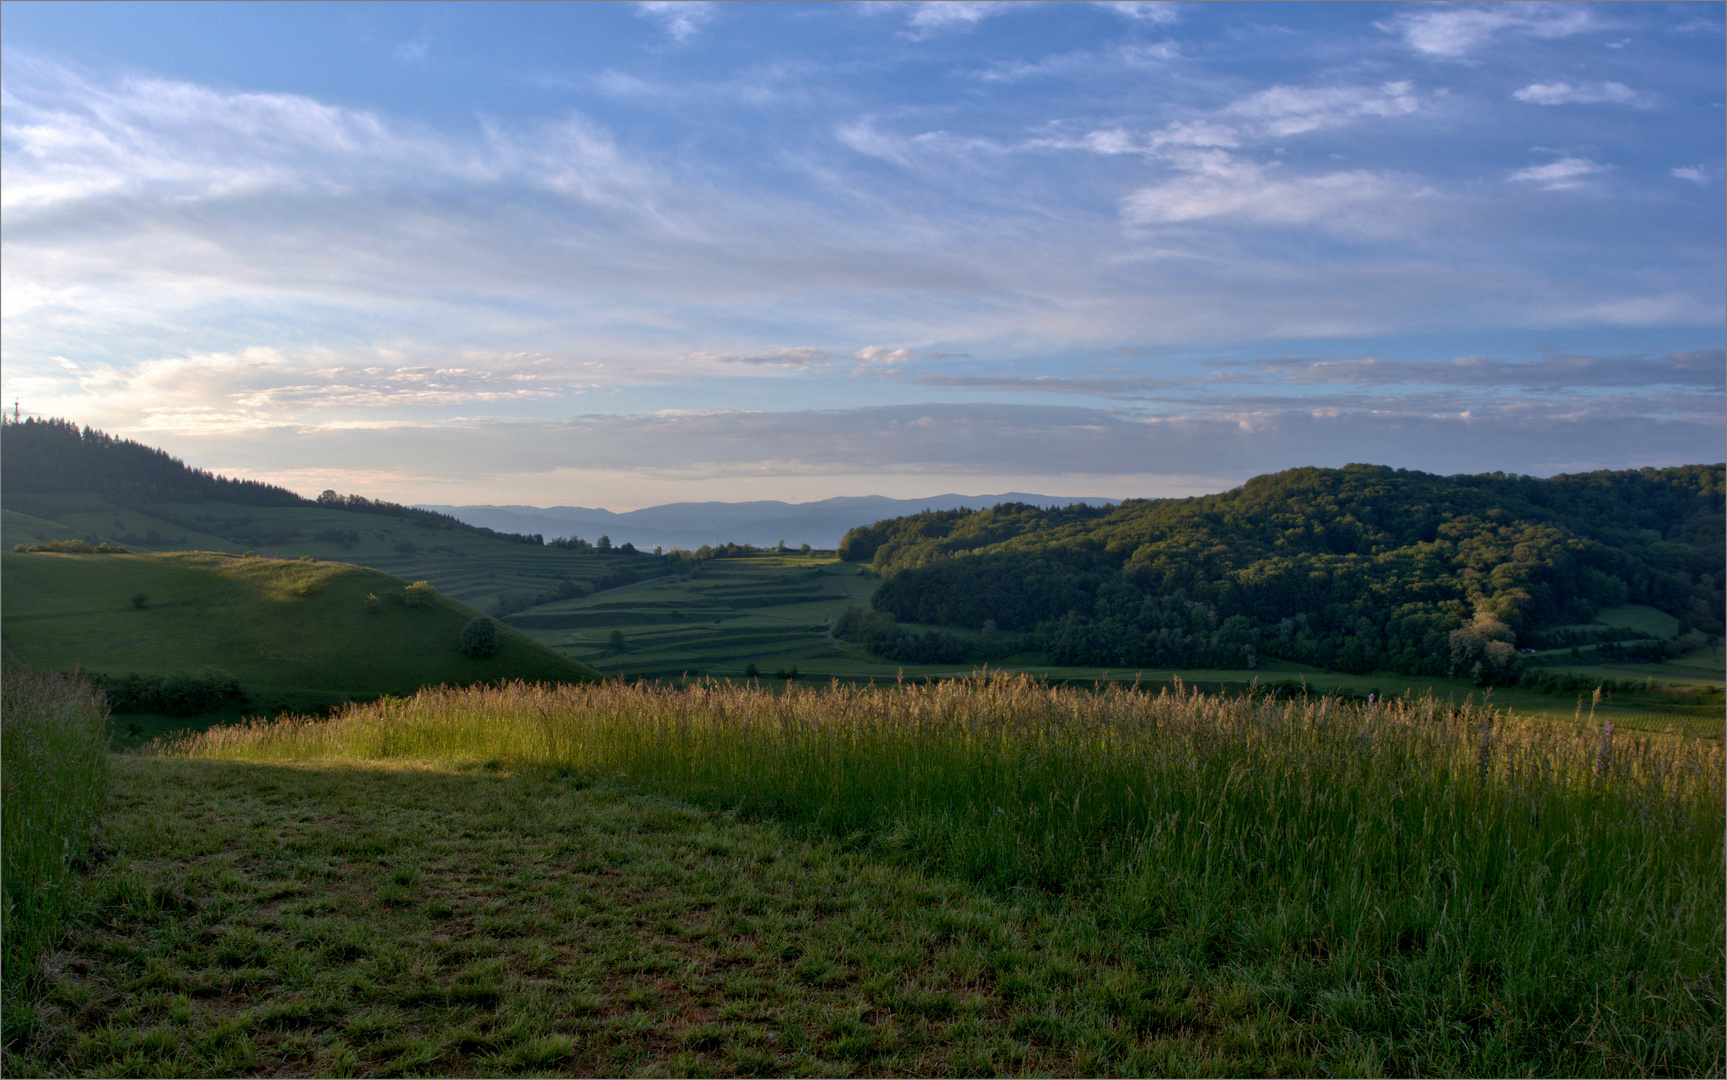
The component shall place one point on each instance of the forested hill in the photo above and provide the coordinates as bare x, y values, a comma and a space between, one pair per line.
1358, 568
57, 457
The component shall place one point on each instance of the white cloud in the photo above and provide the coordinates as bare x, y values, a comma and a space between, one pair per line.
1454, 32
681, 19
1293, 110
1151, 11
1603, 93
1697, 174
875, 354
934, 16
1561, 175
862, 136
1217, 184
1082, 62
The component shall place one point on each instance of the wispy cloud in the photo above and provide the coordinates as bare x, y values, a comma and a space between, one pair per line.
800, 356
1146, 11
1601, 93
1552, 370
682, 20
1455, 32
933, 17
1219, 185
1295, 110
1082, 63
1562, 175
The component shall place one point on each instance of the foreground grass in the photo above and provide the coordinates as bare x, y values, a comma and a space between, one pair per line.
1413, 888
52, 787
401, 918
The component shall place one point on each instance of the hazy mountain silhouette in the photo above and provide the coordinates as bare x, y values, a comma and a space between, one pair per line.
692, 524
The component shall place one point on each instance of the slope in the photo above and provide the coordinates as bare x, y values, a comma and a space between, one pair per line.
299, 632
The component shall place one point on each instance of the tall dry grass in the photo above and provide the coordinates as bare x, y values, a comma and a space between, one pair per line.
53, 779
1469, 892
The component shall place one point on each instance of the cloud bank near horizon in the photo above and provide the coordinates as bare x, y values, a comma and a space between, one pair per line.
1189, 226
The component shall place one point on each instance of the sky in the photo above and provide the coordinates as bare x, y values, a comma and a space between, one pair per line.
627, 254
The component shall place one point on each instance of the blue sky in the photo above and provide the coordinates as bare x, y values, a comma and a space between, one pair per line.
624, 254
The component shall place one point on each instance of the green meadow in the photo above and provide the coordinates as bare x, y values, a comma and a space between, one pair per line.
981, 877
294, 633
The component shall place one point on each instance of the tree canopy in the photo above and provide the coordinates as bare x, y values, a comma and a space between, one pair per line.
1358, 568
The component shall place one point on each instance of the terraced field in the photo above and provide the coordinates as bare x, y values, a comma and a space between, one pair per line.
770, 610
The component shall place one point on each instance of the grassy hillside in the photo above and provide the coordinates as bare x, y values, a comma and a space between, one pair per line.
460, 562
294, 632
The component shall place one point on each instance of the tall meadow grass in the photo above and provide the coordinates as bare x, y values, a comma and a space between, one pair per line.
53, 778
1459, 890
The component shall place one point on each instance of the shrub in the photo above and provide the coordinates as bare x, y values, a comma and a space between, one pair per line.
72, 547
140, 600
178, 694
480, 638
419, 594
373, 604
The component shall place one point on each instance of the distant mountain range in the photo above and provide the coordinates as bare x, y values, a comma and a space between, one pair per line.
692, 524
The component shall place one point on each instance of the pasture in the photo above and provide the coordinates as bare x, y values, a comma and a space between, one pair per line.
294, 633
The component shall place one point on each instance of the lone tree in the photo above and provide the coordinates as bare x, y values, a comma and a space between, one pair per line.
480, 638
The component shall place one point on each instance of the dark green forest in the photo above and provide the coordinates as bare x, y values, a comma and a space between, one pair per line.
56, 456
1358, 569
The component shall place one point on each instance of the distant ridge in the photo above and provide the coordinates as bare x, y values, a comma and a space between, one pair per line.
766, 522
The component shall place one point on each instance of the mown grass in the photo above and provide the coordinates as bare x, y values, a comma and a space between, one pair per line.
409, 919
53, 779
1407, 888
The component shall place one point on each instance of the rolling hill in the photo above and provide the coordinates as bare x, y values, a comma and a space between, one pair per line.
59, 481
294, 633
